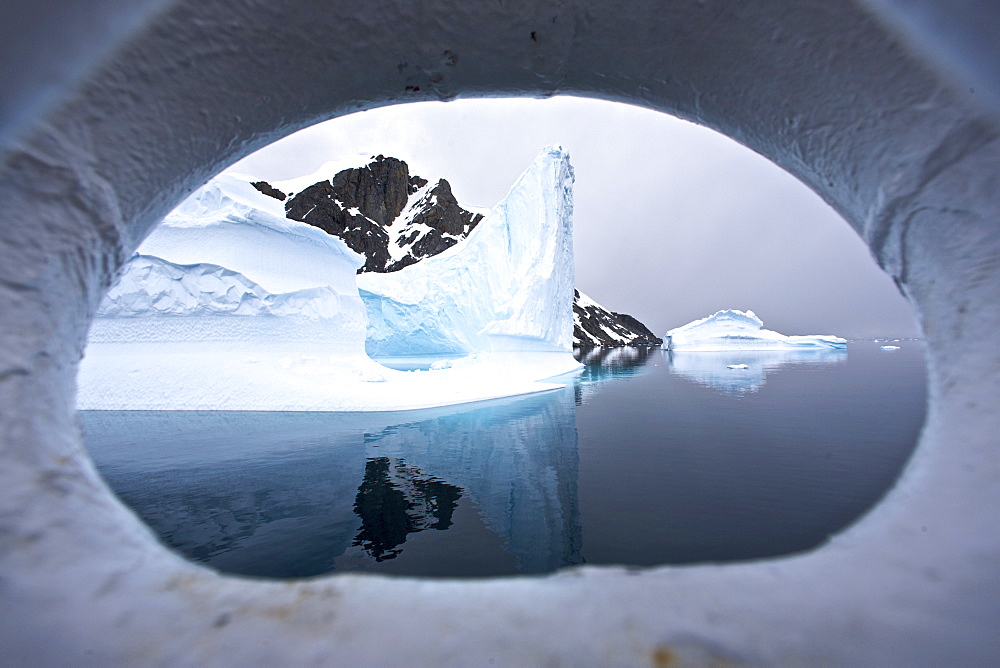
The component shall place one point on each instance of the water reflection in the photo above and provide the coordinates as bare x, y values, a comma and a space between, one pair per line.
294, 494
739, 372
395, 500
660, 471
606, 363
603, 364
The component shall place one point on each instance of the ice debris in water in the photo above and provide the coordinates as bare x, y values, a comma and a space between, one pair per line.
741, 330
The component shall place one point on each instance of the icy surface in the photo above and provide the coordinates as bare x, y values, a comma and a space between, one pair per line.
230, 306
890, 347
741, 330
507, 287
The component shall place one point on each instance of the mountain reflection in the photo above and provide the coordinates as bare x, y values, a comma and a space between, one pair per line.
603, 364
303, 494
716, 370
395, 500
660, 472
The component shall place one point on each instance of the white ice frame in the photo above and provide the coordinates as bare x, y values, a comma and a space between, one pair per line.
106, 128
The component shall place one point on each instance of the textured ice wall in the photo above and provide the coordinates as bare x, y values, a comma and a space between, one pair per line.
507, 287
230, 306
741, 330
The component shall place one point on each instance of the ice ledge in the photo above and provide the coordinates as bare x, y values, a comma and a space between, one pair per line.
200, 376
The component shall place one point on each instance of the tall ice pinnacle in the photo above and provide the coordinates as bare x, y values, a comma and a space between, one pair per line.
507, 287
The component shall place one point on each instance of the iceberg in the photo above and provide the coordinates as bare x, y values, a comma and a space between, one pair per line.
228, 305
508, 286
741, 330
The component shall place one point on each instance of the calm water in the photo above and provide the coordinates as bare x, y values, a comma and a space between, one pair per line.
647, 458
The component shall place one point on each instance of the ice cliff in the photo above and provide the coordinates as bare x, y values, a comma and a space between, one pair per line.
741, 330
229, 305
508, 286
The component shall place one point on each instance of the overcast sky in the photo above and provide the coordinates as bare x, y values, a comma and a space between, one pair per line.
672, 221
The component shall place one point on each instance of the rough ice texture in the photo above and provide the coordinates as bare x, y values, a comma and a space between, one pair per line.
741, 330
508, 286
231, 306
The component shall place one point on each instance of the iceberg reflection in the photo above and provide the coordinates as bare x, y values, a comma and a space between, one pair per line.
302, 494
740, 372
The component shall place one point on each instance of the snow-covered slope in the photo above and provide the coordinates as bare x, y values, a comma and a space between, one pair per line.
230, 306
227, 266
741, 330
594, 325
508, 286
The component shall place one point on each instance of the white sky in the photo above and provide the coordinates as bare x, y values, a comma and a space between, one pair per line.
672, 221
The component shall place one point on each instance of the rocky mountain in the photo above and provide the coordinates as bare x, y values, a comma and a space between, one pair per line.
595, 326
395, 219
382, 212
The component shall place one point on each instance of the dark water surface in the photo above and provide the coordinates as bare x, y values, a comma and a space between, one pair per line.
647, 458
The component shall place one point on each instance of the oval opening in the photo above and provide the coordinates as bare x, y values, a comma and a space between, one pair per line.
643, 457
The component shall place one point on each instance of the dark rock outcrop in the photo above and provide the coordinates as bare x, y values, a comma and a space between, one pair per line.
367, 208
449, 223
594, 325
379, 190
320, 206
269, 190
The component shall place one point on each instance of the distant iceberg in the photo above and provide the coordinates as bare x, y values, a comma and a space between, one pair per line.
228, 305
741, 330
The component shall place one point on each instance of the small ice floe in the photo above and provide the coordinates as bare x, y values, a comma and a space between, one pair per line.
890, 347
737, 366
